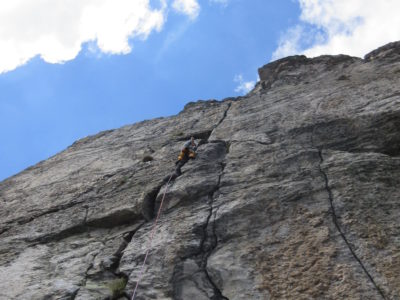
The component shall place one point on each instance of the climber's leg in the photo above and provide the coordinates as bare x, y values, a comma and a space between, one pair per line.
179, 165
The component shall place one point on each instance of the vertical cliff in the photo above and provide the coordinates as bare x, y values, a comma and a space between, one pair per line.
295, 194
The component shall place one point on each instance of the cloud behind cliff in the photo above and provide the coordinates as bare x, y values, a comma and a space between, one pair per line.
243, 87
56, 30
341, 26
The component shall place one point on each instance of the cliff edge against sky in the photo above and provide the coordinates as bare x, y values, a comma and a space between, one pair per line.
295, 194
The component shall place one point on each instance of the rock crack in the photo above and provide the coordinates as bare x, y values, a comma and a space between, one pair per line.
339, 229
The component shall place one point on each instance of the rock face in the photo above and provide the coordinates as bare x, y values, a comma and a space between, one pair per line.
295, 194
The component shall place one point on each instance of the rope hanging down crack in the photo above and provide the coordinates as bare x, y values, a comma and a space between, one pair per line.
151, 238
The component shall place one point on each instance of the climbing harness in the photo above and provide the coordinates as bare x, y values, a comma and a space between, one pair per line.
151, 238
188, 153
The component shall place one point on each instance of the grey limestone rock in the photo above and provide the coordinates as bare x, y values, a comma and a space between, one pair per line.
295, 194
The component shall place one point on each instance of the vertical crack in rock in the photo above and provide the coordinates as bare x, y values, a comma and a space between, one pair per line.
208, 243
149, 201
74, 294
224, 115
113, 263
335, 221
205, 249
332, 207
117, 256
206, 253
205, 135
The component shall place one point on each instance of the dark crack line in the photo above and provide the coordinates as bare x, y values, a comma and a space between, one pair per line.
217, 291
83, 227
56, 209
75, 293
199, 287
50, 211
251, 141
150, 201
119, 253
223, 117
335, 221
204, 227
333, 212
127, 238
4, 230
206, 253
77, 229
82, 196
86, 214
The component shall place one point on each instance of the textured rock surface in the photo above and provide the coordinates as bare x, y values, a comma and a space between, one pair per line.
295, 194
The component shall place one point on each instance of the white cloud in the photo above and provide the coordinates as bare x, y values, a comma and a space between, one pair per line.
187, 7
56, 30
222, 2
243, 86
289, 43
341, 26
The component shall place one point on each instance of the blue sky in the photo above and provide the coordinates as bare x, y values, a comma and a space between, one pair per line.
59, 83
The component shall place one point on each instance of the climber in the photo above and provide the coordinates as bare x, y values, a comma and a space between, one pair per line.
188, 152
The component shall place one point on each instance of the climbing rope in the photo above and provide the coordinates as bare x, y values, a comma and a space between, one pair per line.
151, 238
